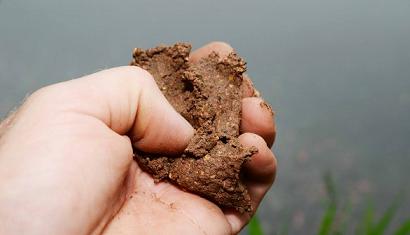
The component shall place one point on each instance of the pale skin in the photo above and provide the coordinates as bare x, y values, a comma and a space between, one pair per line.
66, 162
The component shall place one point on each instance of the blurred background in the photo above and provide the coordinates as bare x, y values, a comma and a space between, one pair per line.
336, 72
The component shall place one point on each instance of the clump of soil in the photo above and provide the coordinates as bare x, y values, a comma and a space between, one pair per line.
208, 94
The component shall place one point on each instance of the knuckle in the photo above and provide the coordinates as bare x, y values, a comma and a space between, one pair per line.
135, 74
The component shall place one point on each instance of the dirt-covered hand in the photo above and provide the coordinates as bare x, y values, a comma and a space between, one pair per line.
66, 159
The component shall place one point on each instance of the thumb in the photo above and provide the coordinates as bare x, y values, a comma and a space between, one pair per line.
154, 125
128, 101
158, 127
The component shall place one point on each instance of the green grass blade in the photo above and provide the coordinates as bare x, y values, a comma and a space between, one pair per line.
330, 213
386, 219
327, 220
404, 229
369, 221
330, 187
343, 224
254, 226
366, 225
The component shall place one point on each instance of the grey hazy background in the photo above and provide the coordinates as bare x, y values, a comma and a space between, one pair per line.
337, 73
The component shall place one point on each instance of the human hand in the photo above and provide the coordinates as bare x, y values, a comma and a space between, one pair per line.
66, 160
165, 209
